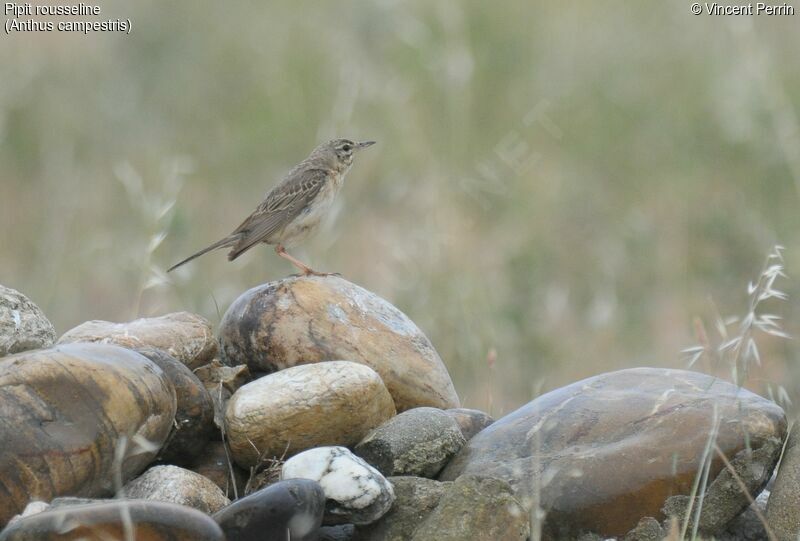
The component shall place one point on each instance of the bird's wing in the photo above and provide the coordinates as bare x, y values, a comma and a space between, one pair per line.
282, 205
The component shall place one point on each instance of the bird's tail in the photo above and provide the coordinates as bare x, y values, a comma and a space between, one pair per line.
227, 241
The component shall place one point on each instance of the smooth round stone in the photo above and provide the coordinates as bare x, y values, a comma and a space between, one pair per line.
185, 336
304, 320
333, 403
66, 409
177, 485
153, 521
418, 441
295, 506
194, 418
23, 326
610, 450
356, 492
470, 421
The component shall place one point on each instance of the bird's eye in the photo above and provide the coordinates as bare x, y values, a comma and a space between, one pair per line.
347, 148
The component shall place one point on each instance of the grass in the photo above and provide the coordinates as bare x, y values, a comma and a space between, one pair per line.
738, 351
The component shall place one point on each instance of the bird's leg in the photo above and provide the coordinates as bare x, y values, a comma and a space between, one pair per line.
305, 269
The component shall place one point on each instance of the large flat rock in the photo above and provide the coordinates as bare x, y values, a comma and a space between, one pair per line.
609, 450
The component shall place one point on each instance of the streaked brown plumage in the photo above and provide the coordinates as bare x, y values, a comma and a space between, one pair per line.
295, 207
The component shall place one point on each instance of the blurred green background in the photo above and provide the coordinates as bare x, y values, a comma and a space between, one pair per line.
559, 188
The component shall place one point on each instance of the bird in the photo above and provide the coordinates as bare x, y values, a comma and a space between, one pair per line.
294, 208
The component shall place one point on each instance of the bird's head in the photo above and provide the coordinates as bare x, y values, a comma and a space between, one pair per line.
341, 151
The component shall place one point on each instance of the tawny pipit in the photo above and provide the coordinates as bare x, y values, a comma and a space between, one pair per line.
295, 207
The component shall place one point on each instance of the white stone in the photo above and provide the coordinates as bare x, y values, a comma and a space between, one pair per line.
361, 493
32, 508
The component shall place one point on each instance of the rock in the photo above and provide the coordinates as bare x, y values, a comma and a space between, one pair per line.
32, 508
71, 407
305, 406
215, 464
340, 532
418, 441
153, 521
609, 450
415, 498
185, 336
748, 526
470, 421
23, 326
783, 509
194, 419
295, 506
67, 501
356, 492
177, 485
723, 500
310, 319
215, 375
648, 529
478, 509
221, 382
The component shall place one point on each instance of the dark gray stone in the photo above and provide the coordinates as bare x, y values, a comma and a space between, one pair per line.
478, 509
724, 499
783, 508
415, 498
648, 529
163, 522
748, 526
342, 532
295, 506
419, 442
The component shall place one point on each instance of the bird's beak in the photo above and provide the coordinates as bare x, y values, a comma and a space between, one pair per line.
364, 144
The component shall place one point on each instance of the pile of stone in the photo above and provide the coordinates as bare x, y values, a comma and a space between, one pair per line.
320, 411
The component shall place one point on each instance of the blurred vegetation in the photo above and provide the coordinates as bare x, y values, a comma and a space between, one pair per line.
559, 189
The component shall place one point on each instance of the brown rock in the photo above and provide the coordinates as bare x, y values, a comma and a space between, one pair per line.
213, 462
470, 421
185, 336
176, 485
221, 382
311, 319
194, 419
152, 521
66, 409
609, 450
215, 374
333, 403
